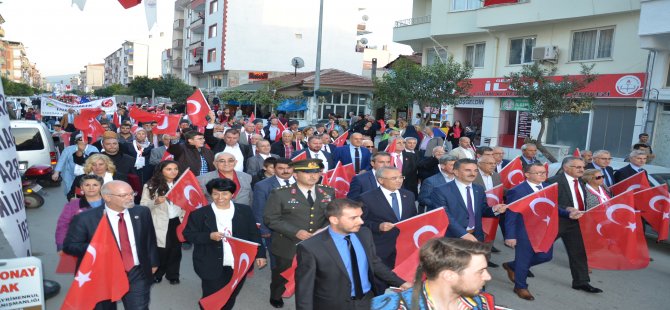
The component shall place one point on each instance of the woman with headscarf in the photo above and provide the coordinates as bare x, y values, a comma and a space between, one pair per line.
140, 150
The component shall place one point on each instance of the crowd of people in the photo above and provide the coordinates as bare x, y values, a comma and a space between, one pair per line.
256, 192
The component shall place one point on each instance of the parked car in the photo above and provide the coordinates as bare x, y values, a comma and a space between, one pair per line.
34, 144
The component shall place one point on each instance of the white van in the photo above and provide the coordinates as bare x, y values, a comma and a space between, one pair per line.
34, 144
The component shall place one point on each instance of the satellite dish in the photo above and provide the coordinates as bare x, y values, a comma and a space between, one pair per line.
364, 41
297, 62
365, 18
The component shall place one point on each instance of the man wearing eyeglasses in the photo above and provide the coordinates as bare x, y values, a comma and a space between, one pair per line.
601, 161
382, 208
571, 195
135, 237
225, 169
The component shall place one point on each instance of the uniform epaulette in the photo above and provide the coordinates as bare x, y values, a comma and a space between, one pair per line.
326, 186
284, 186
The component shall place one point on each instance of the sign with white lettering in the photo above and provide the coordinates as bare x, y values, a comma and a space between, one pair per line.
13, 222
21, 283
53, 107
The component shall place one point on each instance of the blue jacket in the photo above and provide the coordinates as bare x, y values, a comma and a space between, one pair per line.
427, 187
343, 154
447, 196
261, 192
362, 183
65, 165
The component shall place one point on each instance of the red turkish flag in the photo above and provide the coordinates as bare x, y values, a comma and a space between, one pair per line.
281, 128
65, 138
167, 156
116, 120
167, 125
197, 108
654, 203
414, 232
382, 126
299, 157
252, 118
244, 253
140, 115
614, 240
541, 223
101, 275
390, 147
577, 153
67, 264
88, 124
340, 179
633, 183
512, 175
127, 4
289, 275
341, 139
494, 196
186, 194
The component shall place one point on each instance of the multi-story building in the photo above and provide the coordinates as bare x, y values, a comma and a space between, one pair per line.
655, 37
135, 58
497, 40
225, 43
91, 78
166, 63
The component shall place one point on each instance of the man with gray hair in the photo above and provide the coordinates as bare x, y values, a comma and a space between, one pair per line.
225, 163
429, 141
601, 161
487, 176
528, 152
410, 145
637, 159
446, 174
464, 150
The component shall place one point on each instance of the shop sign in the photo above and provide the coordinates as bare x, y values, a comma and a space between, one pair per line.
258, 76
515, 104
21, 283
624, 85
470, 103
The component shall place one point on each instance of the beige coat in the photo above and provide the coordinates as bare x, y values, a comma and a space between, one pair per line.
159, 215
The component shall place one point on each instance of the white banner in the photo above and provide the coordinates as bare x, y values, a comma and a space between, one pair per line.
53, 107
12, 210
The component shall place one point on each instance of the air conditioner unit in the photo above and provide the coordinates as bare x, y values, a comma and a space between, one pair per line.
545, 53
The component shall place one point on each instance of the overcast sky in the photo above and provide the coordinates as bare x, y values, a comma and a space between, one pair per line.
61, 39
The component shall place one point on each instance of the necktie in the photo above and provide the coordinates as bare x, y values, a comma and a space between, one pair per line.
398, 162
316, 155
607, 177
471, 209
357, 160
249, 138
358, 287
539, 187
287, 183
126, 251
395, 205
580, 200
310, 200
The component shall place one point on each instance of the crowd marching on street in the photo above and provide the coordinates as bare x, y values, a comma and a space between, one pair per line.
353, 213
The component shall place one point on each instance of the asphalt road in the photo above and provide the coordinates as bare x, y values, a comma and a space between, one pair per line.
647, 288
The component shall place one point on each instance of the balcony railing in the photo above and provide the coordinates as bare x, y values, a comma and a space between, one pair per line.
412, 21
177, 63
197, 68
178, 24
178, 43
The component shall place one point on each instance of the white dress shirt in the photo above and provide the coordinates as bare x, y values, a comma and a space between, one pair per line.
320, 156
282, 182
447, 178
173, 211
237, 152
304, 192
387, 195
463, 191
113, 218
488, 180
571, 183
534, 186
224, 224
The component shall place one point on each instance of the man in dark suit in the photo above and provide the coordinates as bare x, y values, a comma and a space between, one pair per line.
368, 181
229, 143
637, 159
516, 235
284, 147
407, 163
354, 153
528, 152
446, 174
336, 266
601, 161
283, 177
328, 146
487, 177
382, 208
247, 133
255, 163
294, 213
571, 195
131, 225
465, 203
498, 153
313, 150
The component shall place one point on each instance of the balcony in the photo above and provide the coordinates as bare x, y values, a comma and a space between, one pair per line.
412, 21
178, 43
198, 5
177, 63
178, 24
198, 25
195, 69
181, 4
412, 30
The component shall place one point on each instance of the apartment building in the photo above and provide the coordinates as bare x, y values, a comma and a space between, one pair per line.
498, 39
91, 78
226, 43
136, 58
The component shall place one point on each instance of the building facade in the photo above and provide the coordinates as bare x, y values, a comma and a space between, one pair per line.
91, 78
497, 40
136, 58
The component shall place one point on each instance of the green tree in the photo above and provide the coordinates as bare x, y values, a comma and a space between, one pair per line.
550, 96
111, 90
179, 91
431, 85
17, 89
142, 86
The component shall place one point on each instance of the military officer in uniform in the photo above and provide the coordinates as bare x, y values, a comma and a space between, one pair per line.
294, 213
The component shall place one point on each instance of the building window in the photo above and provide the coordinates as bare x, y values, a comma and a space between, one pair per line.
464, 5
592, 44
213, 6
474, 54
211, 55
521, 50
217, 80
433, 57
212, 31
341, 103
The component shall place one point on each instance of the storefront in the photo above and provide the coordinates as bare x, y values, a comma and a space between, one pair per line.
515, 122
470, 112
